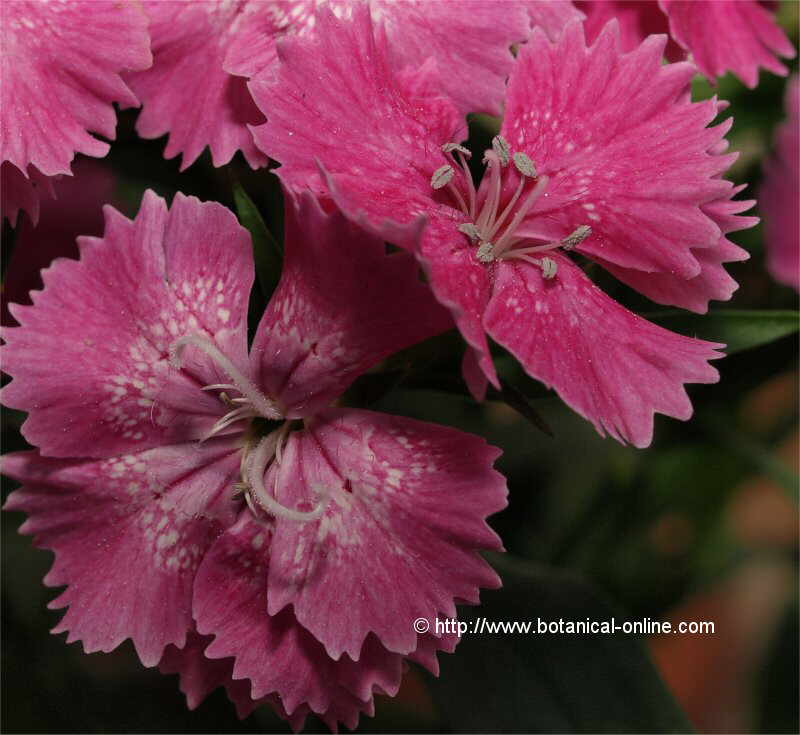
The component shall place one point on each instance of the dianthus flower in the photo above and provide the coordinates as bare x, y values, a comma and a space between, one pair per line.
600, 153
780, 194
191, 490
718, 35
60, 66
204, 52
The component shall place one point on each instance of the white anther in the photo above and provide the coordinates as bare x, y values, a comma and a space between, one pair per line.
485, 252
576, 238
524, 165
469, 230
441, 176
501, 148
549, 268
450, 147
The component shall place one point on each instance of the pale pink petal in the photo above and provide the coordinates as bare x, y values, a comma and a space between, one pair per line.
366, 125
187, 93
625, 153
398, 540
780, 194
19, 192
342, 306
91, 360
611, 366
128, 535
713, 281
76, 209
278, 655
60, 66
729, 35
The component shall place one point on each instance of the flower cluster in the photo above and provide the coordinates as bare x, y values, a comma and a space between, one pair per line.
217, 502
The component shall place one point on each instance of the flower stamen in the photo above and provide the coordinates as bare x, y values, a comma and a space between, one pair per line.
255, 469
252, 403
494, 236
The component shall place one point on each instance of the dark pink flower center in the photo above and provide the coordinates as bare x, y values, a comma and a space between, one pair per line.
492, 227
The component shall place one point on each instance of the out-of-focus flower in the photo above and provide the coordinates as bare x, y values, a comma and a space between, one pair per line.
204, 52
76, 209
780, 194
718, 35
600, 153
219, 493
61, 65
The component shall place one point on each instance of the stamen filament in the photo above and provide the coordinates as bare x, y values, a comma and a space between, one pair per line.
470, 186
457, 194
502, 218
262, 405
503, 243
485, 218
256, 469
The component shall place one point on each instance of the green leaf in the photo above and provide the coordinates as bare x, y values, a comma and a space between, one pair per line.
738, 329
514, 682
267, 253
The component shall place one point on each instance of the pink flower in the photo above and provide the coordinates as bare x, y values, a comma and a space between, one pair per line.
61, 65
204, 51
719, 36
780, 194
600, 153
304, 538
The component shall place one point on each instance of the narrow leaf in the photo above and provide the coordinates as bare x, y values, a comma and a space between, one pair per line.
738, 329
267, 253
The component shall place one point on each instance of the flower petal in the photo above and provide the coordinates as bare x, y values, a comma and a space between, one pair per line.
20, 192
61, 67
342, 306
713, 281
612, 367
91, 359
278, 655
187, 92
128, 534
461, 284
363, 122
725, 36
200, 675
398, 540
471, 43
624, 151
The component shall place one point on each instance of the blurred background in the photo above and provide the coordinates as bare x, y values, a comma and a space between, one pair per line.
700, 526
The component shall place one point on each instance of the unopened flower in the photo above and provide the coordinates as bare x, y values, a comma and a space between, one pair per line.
718, 35
780, 195
600, 153
189, 488
60, 66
